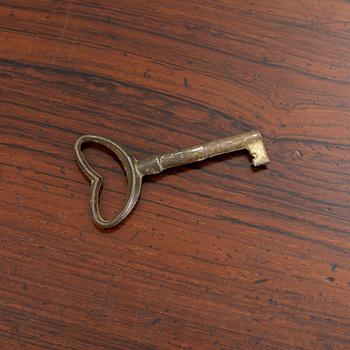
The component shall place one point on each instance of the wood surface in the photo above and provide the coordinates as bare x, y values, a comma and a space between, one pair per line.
215, 255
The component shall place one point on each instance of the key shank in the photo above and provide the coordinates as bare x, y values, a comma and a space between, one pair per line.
251, 141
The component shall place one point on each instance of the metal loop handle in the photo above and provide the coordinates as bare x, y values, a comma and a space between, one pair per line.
134, 179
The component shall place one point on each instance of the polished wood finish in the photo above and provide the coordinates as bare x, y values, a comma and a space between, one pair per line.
216, 255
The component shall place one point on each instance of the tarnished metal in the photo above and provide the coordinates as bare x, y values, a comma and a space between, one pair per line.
136, 169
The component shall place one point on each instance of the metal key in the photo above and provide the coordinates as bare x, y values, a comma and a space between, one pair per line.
136, 169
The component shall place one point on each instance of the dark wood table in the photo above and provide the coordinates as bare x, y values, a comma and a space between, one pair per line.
216, 255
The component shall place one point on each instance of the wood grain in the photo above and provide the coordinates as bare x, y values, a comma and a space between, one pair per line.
215, 256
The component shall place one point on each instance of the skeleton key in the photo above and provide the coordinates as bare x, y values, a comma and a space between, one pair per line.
136, 169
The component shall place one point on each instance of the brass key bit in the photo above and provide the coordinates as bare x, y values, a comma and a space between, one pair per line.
136, 169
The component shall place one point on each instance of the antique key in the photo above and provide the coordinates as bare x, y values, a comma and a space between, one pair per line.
136, 169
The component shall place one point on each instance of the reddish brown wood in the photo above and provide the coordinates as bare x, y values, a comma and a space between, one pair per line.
216, 256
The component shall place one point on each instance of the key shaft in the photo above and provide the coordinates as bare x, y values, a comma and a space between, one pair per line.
251, 141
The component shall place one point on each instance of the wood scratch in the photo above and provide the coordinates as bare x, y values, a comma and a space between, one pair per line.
190, 318
72, 47
324, 26
106, 298
66, 19
63, 31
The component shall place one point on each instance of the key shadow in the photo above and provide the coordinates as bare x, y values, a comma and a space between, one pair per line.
172, 171
100, 157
